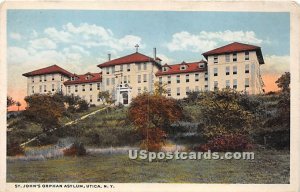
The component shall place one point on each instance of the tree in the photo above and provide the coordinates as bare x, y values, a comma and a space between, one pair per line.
44, 109
152, 115
283, 82
10, 101
222, 113
104, 96
18, 104
160, 88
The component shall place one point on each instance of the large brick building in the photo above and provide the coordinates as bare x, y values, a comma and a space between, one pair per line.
235, 65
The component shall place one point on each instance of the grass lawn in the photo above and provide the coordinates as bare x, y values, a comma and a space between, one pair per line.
267, 167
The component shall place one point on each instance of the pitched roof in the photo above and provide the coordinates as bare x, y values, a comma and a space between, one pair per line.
175, 69
132, 58
80, 79
236, 47
48, 70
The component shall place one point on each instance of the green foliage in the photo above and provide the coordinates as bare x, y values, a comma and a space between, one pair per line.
45, 109
283, 82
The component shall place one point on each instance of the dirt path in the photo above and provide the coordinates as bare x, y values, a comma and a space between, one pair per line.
69, 123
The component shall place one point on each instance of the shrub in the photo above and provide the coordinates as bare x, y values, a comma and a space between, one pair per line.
76, 149
13, 148
82, 105
231, 142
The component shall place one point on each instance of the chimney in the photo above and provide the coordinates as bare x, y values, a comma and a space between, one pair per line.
109, 57
154, 53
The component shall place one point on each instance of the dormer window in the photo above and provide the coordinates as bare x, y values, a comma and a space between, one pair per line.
182, 67
201, 65
165, 68
72, 78
87, 77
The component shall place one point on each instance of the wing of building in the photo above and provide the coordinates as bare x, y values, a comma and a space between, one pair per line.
235, 66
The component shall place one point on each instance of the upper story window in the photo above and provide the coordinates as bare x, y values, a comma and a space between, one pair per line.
178, 91
234, 70
32, 79
205, 76
201, 65
165, 68
121, 67
187, 78
41, 88
247, 55
227, 70
52, 77
32, 89
215, 71
113, 69
62, 78
247, 68
40, 78
196, 76
76, 88
169, 92
52, 87
107, 71
139, 66
145, 78
169, 79
145, 66
215, 85
234, 83
125, 79
234, 57
45, 78
139, 79
215, 58
178, 78
45, 88
187, 90
107, 81
69, 89
98, 86
246, 82
227, 83
227, 57
91, 87
128, 67
182, 67
83, 87
160, 80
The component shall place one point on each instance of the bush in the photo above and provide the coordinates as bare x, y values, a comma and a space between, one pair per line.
13, 148
82, 105
231, 142
76, 149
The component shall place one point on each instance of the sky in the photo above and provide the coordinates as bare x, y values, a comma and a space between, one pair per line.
79, 40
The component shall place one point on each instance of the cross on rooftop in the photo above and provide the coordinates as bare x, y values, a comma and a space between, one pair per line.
136, 48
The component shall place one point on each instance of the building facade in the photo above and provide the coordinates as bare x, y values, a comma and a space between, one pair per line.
235, 66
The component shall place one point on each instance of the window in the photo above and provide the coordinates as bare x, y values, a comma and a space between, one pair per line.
234, 70
52, 77
69, 89
41, 88
32, 79
178, 78
107, 70
165, 69
139, 67
113, 69
247, 55
76, 88
178, 91
45, 78
234, 83
40, 78
187, 90
145, 78
145, 66
91, 87
205, 87
128, 80
246, 82
197, 77
83, 87
201, 65
45, 88
121, 67
206, 76
107, 81
227, 83
139, 78
32, 89
234, 57
61, 88
98, 86
197, 88
227, 70
215, 85
128, 67
52, 87
72, 78
125, 79
98, 99
139, 90
169, 92
169, 79
227, 57
62, 78
247, 68
160, 80
215, 71
182, 67
216, 59
91, 98
187, 78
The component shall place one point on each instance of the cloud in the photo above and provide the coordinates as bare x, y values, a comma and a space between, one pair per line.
165, 59
204, 41
15, 36
42, 43
275, 64
58, 36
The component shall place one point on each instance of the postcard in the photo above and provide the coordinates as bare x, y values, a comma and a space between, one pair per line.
140, 96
